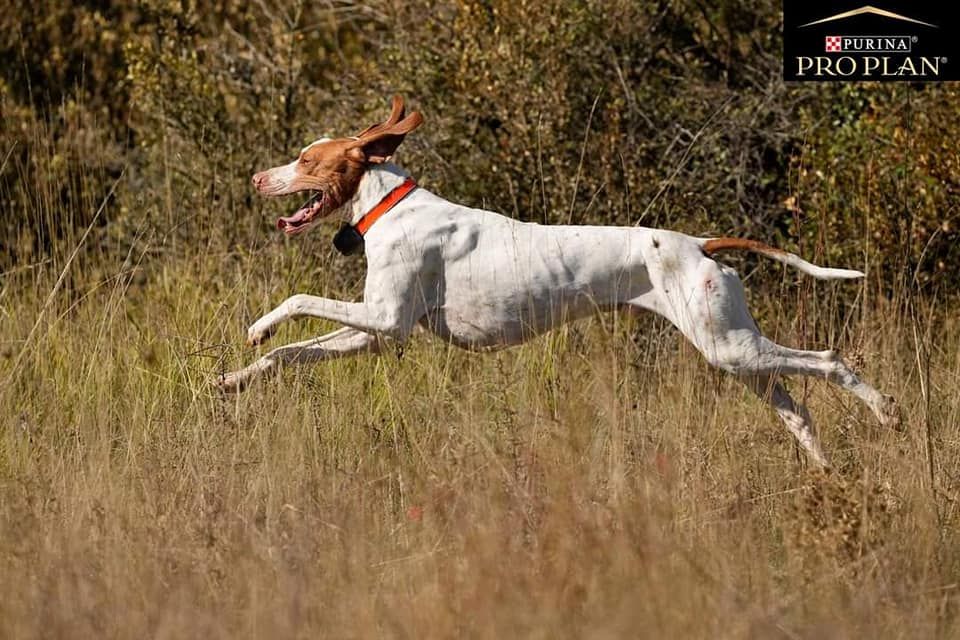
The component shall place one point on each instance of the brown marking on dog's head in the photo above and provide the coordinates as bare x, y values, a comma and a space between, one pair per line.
333, 168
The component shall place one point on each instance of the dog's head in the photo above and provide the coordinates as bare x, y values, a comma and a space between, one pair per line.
332, 168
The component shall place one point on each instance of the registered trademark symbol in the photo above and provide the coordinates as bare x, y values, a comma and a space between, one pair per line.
913, 38
943, 59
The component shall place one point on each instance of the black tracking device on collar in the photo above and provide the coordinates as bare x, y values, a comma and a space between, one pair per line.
348, 240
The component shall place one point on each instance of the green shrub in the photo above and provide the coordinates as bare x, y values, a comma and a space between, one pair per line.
618, 112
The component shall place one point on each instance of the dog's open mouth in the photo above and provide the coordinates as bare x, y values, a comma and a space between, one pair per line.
305, 215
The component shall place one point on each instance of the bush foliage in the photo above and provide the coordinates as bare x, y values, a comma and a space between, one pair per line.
619, 112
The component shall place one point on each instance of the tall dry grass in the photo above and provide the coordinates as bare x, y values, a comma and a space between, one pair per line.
598, 482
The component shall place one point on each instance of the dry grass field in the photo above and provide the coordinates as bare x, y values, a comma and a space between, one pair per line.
599, 482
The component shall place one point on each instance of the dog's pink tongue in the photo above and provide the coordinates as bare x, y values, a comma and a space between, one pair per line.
290, 223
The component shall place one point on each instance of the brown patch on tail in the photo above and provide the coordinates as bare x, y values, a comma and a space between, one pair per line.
716, 245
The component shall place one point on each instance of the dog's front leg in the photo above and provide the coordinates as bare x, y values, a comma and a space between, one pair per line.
340, 343
381, 318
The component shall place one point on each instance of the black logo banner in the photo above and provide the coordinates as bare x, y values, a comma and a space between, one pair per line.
907, 41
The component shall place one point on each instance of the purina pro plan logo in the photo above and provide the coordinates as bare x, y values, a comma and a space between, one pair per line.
844, 41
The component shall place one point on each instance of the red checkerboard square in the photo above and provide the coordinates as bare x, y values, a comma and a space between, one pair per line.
834, 43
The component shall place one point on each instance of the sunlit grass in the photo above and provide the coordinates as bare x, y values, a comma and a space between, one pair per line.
600, 481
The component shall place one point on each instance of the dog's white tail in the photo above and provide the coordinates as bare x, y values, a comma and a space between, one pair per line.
716, 245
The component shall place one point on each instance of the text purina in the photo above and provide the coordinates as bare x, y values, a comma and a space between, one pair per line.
867, 66
875, 44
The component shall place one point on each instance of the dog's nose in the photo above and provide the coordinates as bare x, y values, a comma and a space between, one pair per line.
259, 179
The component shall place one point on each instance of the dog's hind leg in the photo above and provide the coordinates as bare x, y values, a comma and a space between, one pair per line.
746, 353
793, 414
828, 365
337, 344
709, 306
707, 303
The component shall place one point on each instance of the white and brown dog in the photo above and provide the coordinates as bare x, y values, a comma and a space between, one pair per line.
483, 281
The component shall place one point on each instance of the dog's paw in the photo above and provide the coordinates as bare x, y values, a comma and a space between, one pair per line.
890, 415
233, 382
258, 333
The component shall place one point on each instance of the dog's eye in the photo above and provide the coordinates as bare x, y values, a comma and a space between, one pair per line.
305, 160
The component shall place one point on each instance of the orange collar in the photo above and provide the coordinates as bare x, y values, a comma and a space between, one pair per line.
388, 202
349, 239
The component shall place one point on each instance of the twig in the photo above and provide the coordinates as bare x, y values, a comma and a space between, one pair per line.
583, 153
7, 157
683, 159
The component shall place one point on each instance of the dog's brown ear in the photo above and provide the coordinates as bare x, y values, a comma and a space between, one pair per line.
396, 114
379, 144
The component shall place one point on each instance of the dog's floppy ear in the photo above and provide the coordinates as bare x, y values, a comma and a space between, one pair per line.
396, 114
379, 143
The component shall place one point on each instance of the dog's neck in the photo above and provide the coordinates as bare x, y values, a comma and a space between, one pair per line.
376, 183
